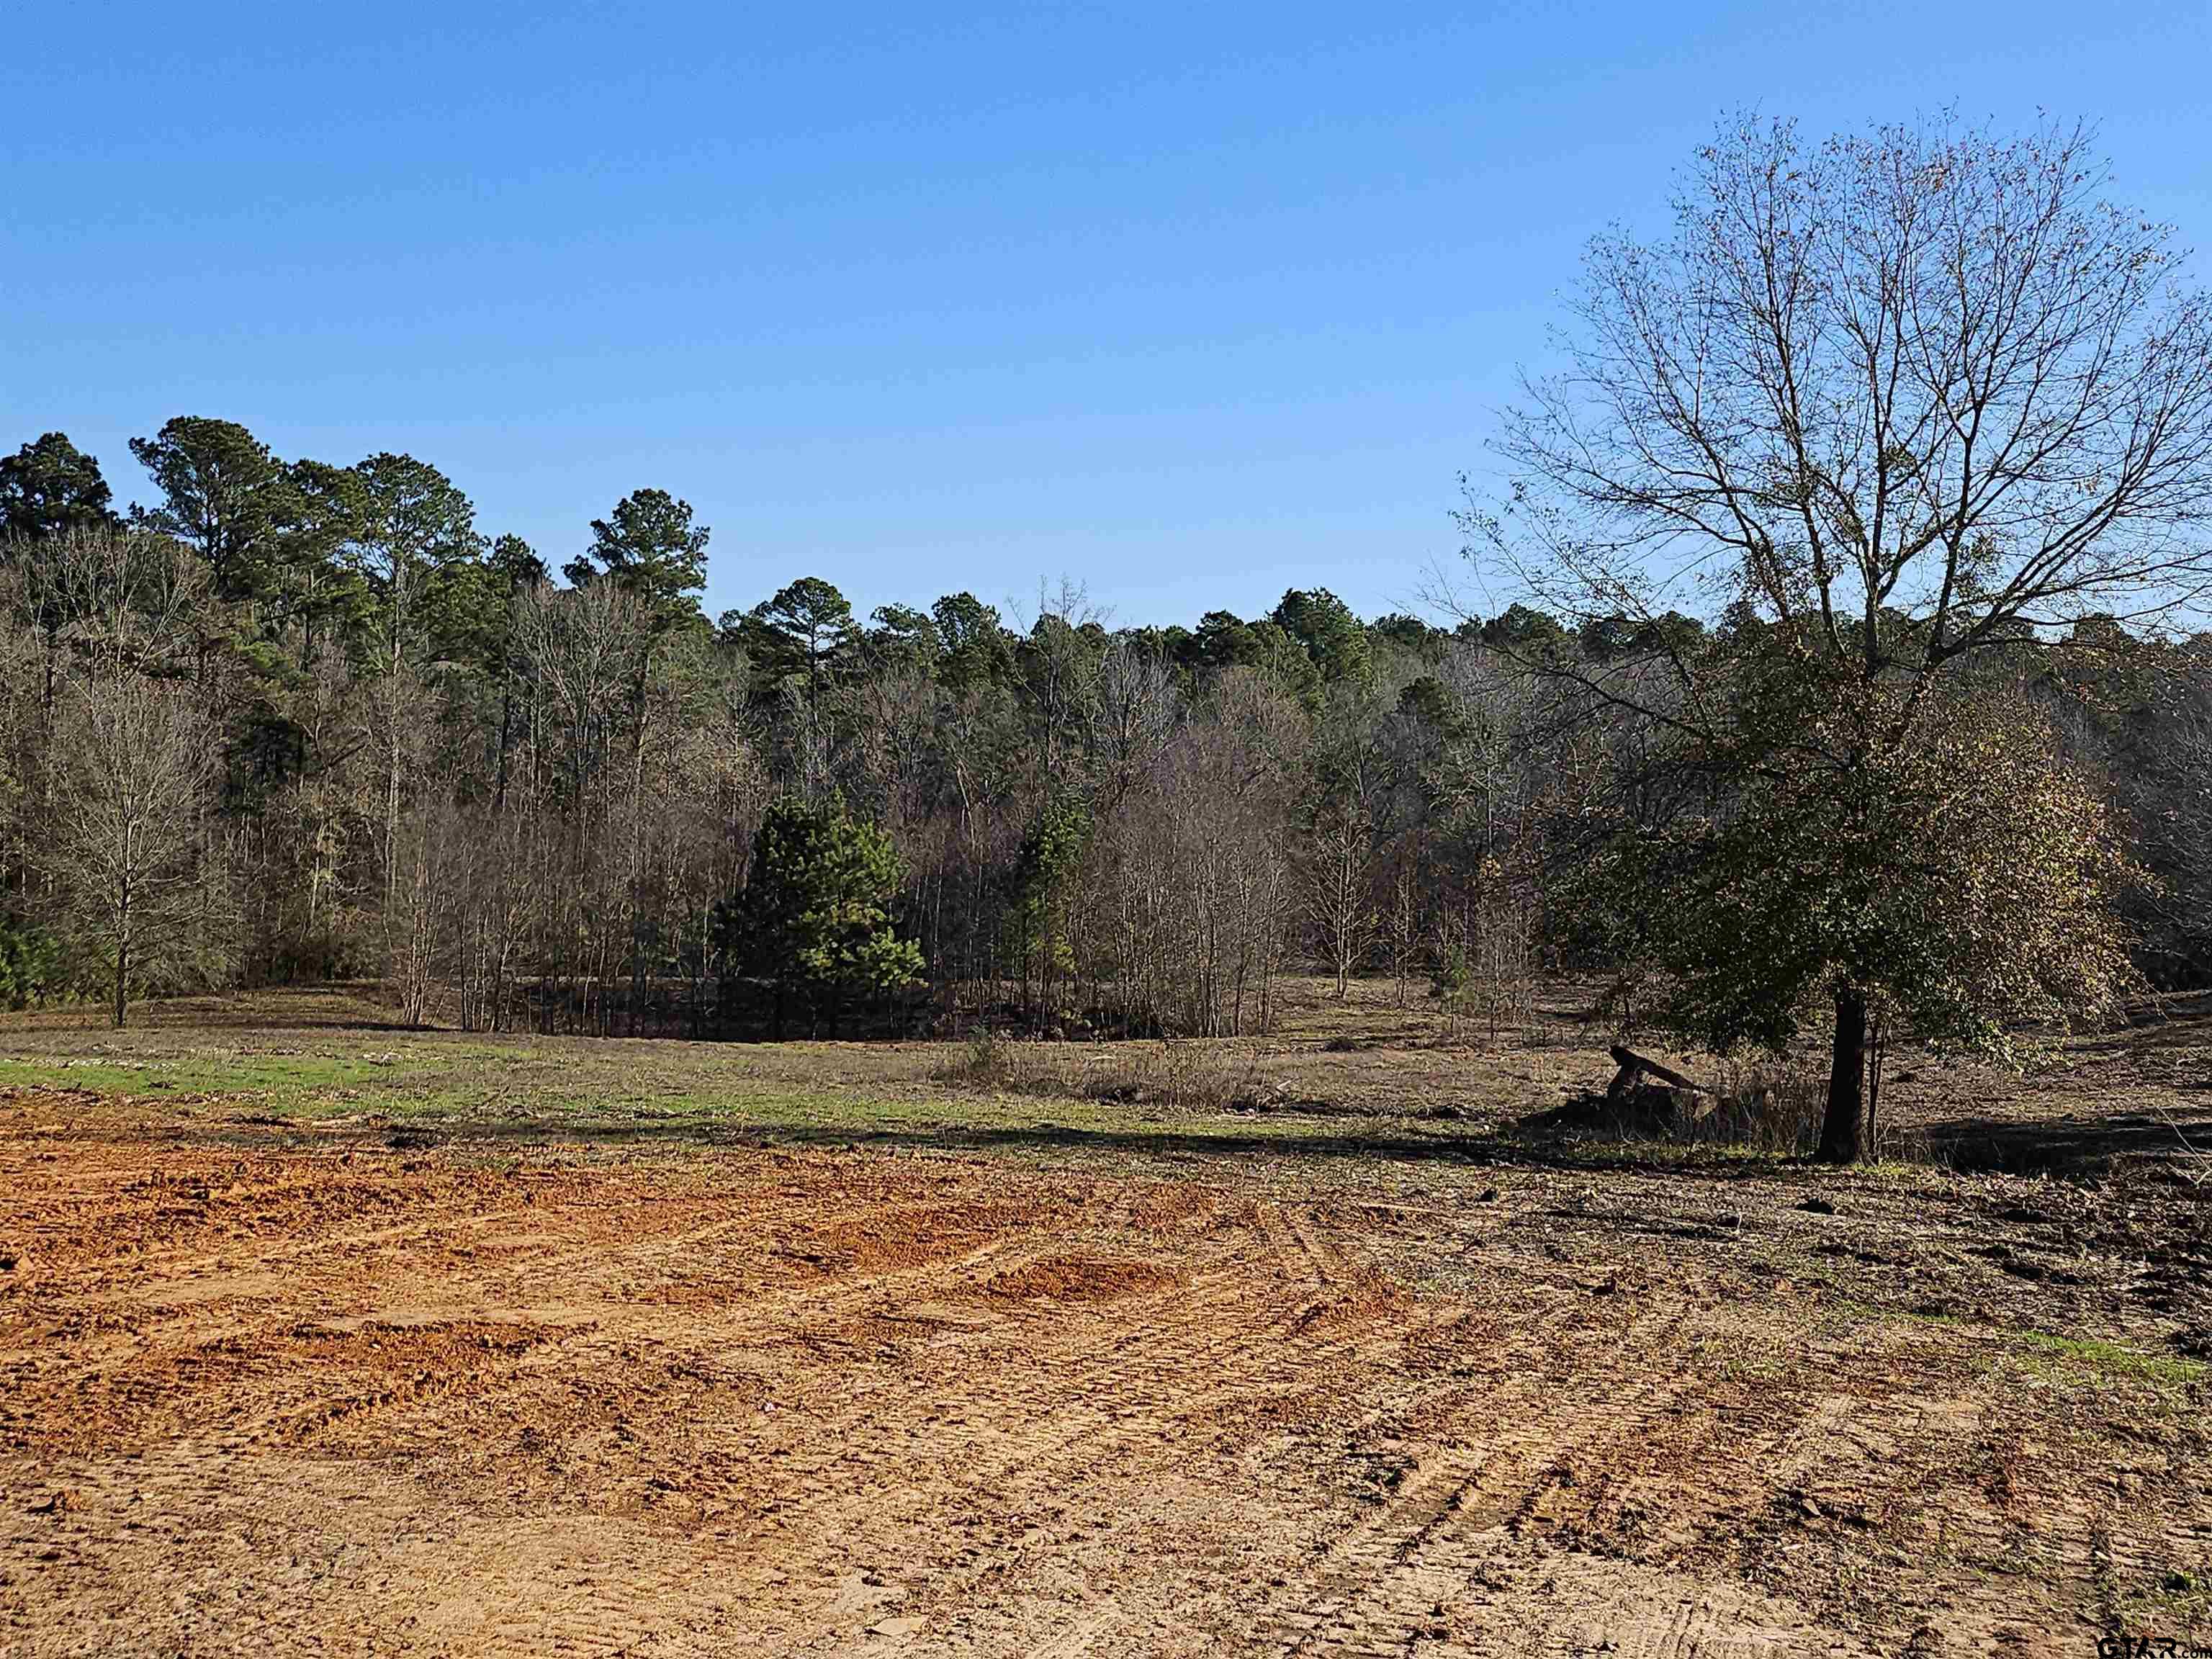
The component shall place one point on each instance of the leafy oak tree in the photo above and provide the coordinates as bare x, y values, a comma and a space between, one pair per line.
1966, 884
1897, 404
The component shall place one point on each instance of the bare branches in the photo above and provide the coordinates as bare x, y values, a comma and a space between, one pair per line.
137, 749
1907, 394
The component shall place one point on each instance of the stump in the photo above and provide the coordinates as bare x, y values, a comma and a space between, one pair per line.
1627, 1085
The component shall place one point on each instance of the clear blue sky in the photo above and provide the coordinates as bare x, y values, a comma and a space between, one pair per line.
1192, 304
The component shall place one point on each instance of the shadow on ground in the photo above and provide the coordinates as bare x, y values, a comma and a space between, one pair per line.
1505, 1148
2073, 1146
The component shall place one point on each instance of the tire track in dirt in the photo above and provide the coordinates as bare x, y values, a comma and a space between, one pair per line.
767, 1403
1084, 1398
1089, 1396
1103, 1397
188, 1470
1083, 1385
1545, 1458
1385, 1580
412, 1256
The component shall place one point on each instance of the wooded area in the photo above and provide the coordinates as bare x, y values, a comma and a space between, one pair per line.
297, 721
252, 741
1919, 424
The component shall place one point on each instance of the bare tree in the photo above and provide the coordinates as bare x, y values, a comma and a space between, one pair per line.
136, 764
1339, 868
1899, 398
134, 747
1908, 394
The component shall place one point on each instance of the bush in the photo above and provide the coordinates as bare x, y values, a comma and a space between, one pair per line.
30, 962
1763, 1106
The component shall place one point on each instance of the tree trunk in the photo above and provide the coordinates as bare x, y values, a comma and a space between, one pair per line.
637, 844
122, 976
1842, 1129
506, 726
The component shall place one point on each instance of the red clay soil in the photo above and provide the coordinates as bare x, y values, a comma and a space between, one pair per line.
283, 1402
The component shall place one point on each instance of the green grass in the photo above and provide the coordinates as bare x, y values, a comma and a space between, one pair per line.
2061, 1356
306, 1082
461, 1082
2068, 1359
2165, 1600
620, 1090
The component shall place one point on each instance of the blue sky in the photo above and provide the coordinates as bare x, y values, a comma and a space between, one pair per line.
1190, 304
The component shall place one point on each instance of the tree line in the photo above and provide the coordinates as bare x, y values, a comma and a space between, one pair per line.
1851, 687
294, 721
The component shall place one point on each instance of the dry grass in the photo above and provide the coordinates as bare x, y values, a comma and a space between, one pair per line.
1761, 1106
1774, 1107
2137, 1097
1190, 1076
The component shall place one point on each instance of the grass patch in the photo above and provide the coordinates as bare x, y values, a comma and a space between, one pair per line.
2068, 1359
2061, 1354
277, 1076
2168, 1599
1165, 1097
321, 1081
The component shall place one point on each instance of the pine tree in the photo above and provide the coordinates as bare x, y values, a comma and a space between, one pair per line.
814, 917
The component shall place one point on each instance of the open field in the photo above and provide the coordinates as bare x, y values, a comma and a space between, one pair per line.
323, 1338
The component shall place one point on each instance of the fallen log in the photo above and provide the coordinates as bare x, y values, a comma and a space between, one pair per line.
1632, 1105
1633, 1066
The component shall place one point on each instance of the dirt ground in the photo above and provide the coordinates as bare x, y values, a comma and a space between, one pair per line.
286, 1386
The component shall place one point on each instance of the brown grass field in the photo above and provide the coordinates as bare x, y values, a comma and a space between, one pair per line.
323, 1337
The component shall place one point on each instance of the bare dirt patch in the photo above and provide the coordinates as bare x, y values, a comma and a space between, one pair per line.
276, 1389
1069, 1279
